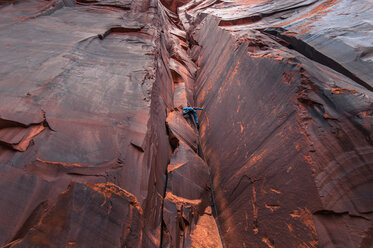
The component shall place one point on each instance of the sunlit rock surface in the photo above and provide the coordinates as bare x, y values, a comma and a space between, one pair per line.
95, 150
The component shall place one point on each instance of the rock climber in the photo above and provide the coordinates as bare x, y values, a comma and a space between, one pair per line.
192, 112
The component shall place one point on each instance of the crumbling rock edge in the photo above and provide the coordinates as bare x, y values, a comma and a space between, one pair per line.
311, 53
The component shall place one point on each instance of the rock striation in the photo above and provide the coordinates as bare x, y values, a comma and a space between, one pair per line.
95, 150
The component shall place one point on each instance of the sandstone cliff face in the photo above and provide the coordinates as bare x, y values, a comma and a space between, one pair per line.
95, 151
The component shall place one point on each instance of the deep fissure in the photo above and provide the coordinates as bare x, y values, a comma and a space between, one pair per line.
175, 142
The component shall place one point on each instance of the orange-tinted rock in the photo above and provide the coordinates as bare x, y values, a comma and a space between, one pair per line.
288, 155
182, 129
95, 151
80, 93
187, 191
206, 233
103, 213
174, 4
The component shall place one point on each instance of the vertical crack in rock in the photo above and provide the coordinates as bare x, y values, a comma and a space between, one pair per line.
273, 114
95, 150
187, 218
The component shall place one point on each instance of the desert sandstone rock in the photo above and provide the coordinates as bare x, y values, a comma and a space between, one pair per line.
95, 150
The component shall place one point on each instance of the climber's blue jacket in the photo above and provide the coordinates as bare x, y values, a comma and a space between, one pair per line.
192, 110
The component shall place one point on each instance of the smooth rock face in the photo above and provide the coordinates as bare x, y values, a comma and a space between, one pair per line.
83, 209
95, 151
76, 106
288, 137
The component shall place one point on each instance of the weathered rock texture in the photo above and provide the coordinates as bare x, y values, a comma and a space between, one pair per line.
95, 151
287, 125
